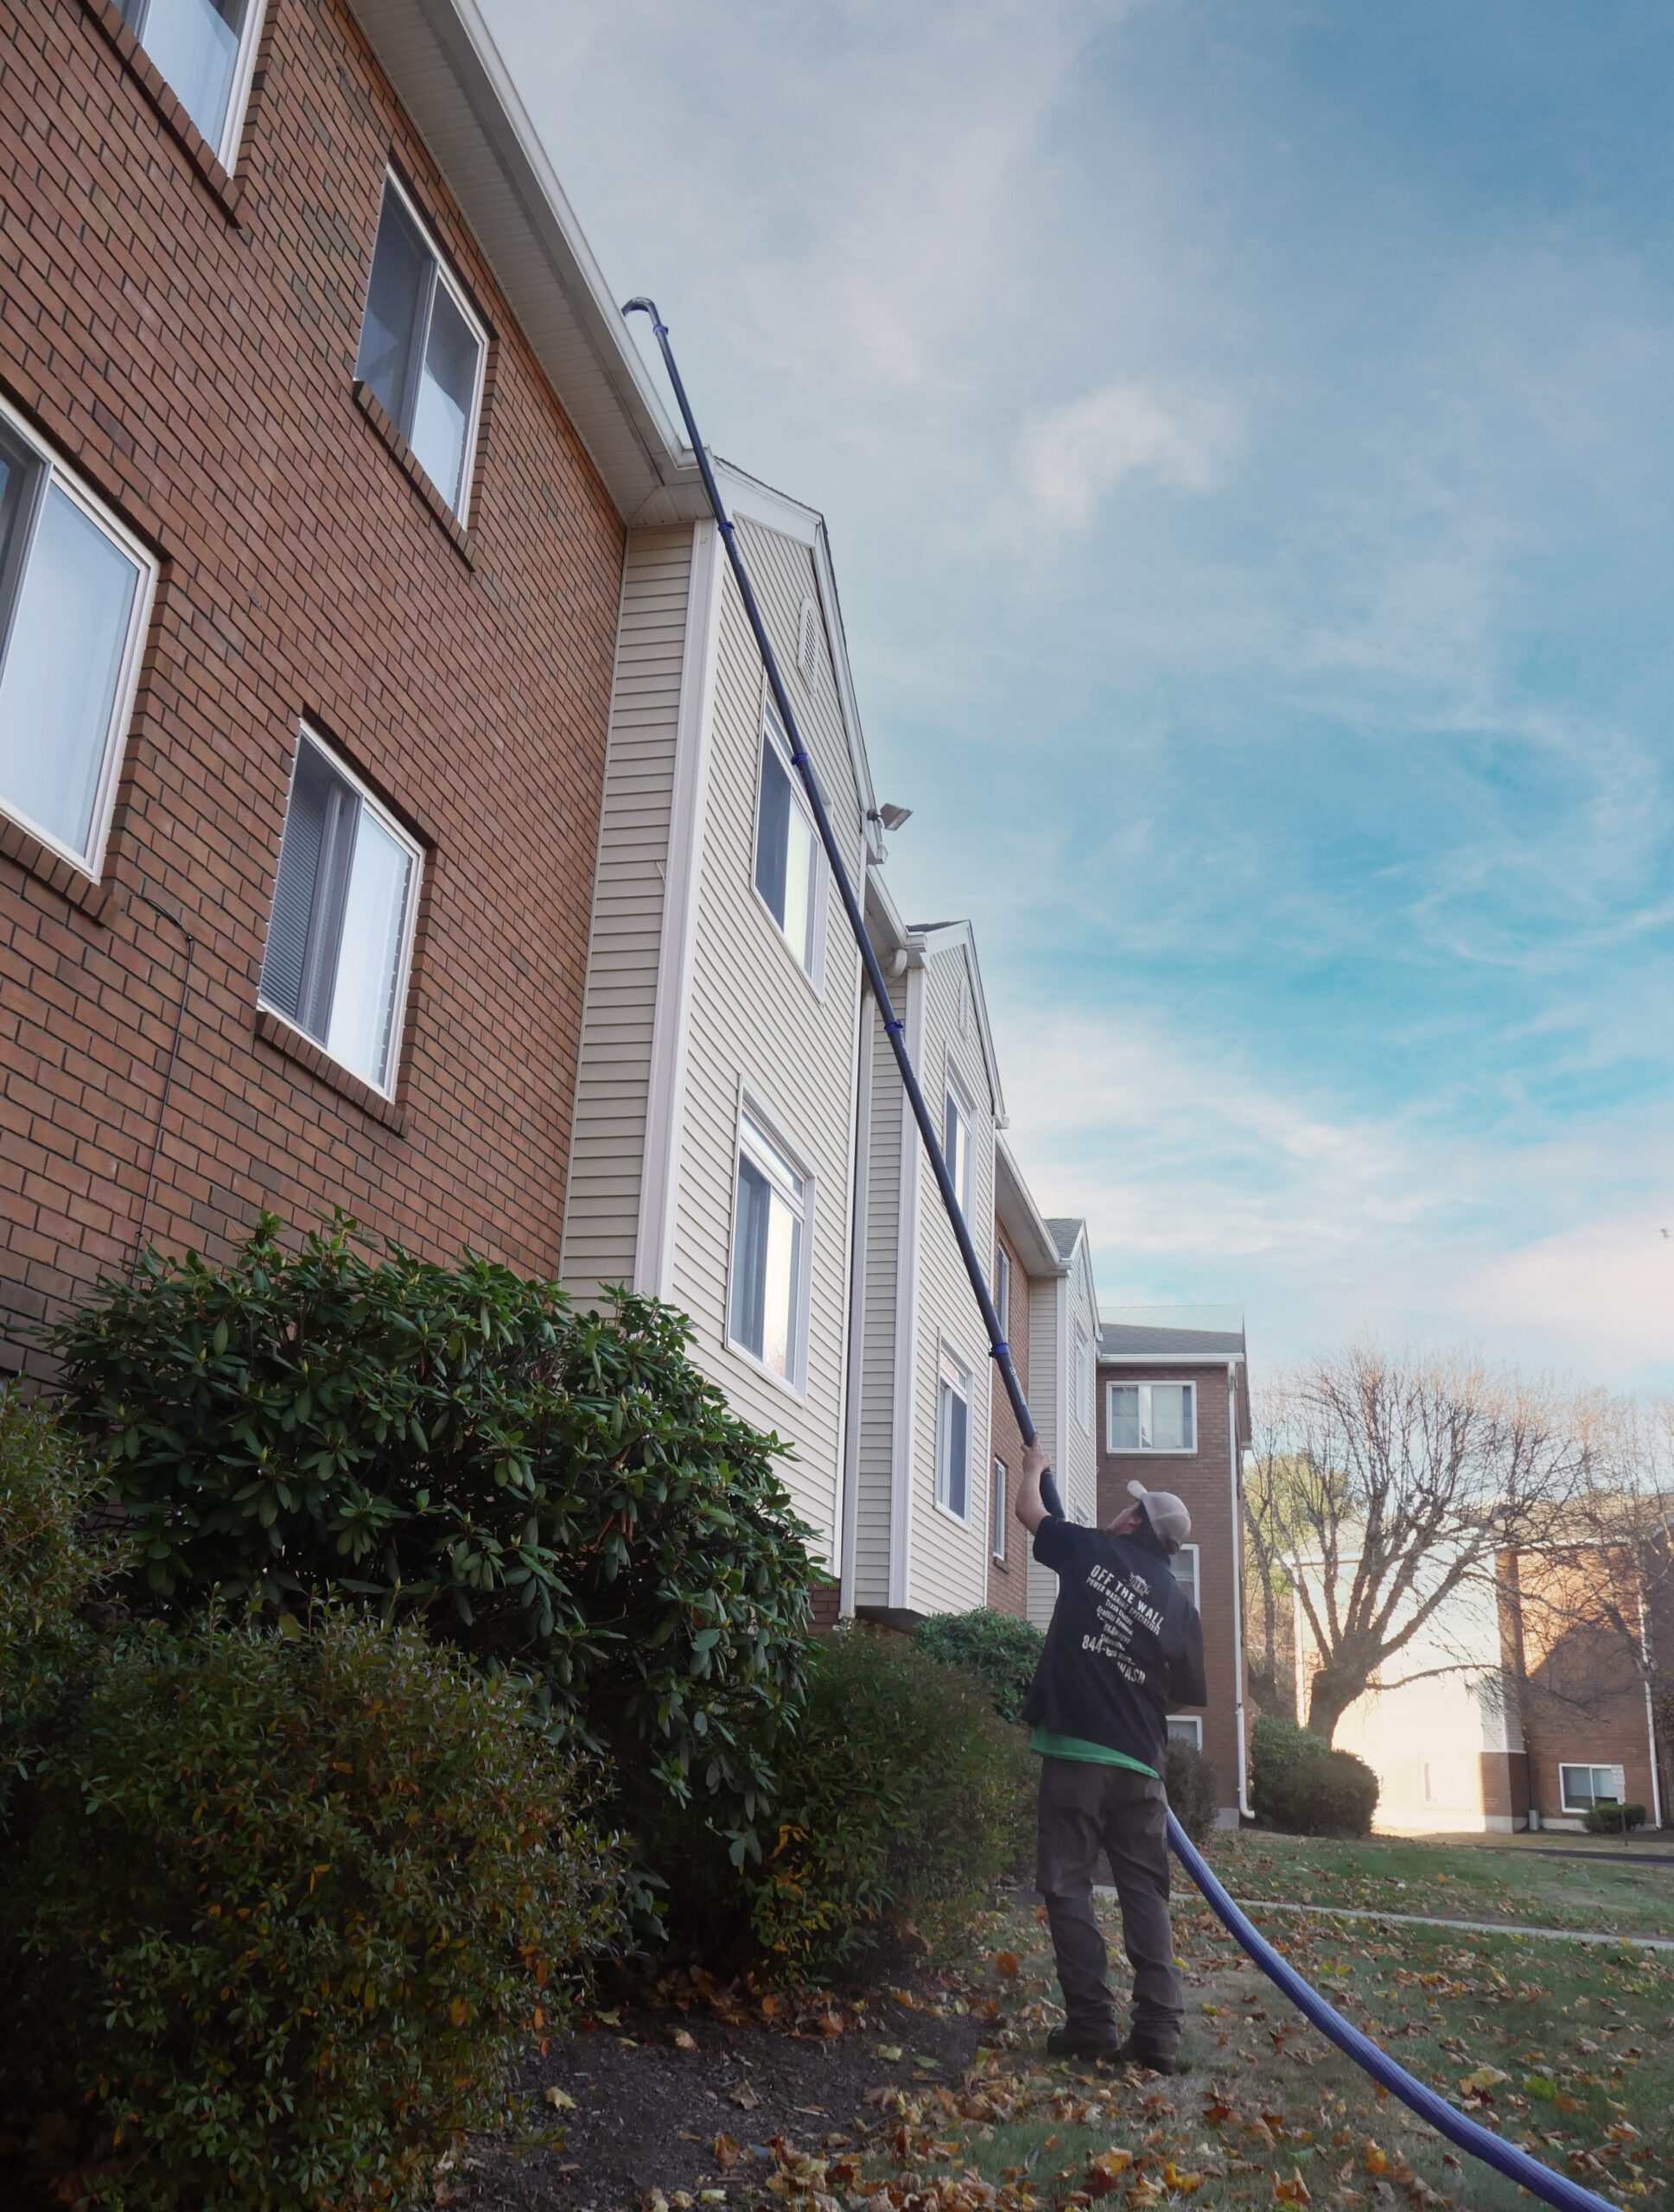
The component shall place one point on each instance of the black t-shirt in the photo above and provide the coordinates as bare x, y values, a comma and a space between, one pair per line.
1125, 1644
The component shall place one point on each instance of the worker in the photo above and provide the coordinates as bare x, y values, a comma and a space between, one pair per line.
1125, 1647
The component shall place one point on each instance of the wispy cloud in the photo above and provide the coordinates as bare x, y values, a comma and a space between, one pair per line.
1072, 456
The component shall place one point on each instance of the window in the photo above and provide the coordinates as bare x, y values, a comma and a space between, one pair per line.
422, 349
1183, 1566
807, 644
955, 1146
1153, 1417
997, 1512
1084, 1380
1583, 1787
1186, 1728
788, 874
340, 942
953, 1438
206, 50
1003, 1287
769, 1224
75, 595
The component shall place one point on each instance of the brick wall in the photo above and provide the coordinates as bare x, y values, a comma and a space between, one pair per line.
1202, 1479
189, 348
1005, 1577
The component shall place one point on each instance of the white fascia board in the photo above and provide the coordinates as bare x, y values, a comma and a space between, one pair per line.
746, 496
1212, 1363
448, 75
884, 926
1021, 1218
961, 933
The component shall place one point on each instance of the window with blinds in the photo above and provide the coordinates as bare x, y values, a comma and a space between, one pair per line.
422, 349
75, 596
340, 942
1152, 1417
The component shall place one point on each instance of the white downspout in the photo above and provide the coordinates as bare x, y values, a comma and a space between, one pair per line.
1649, 1718
1244, 1812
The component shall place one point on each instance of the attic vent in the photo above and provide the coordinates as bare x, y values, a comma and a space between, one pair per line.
807, 644
965, 1009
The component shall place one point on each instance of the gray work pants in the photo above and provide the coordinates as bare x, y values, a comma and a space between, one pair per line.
1085, 1807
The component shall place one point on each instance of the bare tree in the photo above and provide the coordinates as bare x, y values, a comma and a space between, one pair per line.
1404, 1478
1269, 1544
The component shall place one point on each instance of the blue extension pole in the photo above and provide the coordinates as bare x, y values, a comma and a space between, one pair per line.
1541, 2181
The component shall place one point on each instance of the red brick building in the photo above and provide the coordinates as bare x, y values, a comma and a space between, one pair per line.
1174, 1412
320, 447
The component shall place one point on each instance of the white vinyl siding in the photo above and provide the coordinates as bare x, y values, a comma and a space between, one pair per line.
875, 1385
1152, 1417
205, 51
606, 1159
753, 1025
75, 599
1083, 1390
423, 352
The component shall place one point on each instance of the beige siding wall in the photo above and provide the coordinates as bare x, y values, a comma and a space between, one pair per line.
756, 1022
1047, 1298
949, 1558
1078, 1452
875, 1385
602, 1206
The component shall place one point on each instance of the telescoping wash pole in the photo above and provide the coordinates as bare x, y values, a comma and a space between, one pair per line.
1539, 2180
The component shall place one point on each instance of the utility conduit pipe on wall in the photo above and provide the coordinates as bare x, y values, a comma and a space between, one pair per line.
1541, 2181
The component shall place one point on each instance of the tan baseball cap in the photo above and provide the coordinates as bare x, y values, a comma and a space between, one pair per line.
1167, 1514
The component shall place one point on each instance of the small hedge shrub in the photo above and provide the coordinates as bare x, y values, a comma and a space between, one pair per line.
289, 1905
1001, 1649
562, 1496
902, 1798
1304, 1786
50, 1563
1194, 1788
1613, 1820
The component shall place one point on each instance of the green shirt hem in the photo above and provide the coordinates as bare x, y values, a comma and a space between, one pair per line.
1051, 1745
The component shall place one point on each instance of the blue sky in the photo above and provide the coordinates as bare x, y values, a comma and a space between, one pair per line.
1247, 435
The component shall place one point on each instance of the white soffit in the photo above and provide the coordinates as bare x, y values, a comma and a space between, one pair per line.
448, 75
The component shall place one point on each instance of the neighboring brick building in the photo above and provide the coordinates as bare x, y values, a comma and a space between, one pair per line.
1174, 1412
233, 592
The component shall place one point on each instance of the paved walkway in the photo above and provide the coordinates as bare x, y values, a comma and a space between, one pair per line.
1471, 1927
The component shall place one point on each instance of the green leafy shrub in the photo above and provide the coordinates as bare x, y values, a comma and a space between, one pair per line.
1609, 1819
50, 1563
1304, 1786
1002, 1648
562, 1496
1194, 1788
902, 1798
291, 1904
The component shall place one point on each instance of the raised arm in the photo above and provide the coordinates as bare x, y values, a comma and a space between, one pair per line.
1031, 1508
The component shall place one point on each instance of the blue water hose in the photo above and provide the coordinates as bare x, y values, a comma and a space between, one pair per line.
1541, 2181
1481, 2142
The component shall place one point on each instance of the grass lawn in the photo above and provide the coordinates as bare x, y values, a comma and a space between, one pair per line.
1569, 2045
1461, 1881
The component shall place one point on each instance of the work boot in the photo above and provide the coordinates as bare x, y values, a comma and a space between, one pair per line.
1083, 2042
1132, 2052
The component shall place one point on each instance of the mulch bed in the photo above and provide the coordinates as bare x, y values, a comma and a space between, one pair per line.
653, 2085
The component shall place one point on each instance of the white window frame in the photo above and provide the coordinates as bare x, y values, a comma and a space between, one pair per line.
1195, 1593
90, 862
998, 1484
751, 1105
238, 93
1082, 1383
403, 836
813, 975
1594, 1767
1003, 1287
456, 292
1188, 1726
959, 1096
948, 1356
1149, 1451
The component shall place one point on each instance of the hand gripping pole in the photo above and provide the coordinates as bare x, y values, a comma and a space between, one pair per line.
1539, 2180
